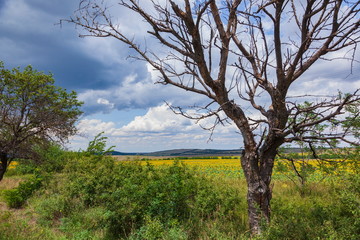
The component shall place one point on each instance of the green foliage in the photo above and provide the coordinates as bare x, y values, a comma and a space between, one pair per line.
51, 209
53, 158
50, 159
15, 198
14, 228
86, 224
33, 112
30, 98
97, 198
98, 146
25, 166
115, 200
154, 229
352, 120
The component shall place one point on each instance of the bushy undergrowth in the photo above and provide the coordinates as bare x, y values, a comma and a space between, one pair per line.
15, 198
97, 196
328, 212
50, 160
90, 196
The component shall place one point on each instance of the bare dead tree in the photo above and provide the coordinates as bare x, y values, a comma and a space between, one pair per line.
238, 53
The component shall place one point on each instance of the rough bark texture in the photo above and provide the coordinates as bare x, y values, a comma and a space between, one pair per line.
258, 173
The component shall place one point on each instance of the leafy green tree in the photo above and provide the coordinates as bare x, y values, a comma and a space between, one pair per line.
33, 112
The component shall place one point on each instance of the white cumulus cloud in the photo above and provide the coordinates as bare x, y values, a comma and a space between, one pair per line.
158, 119
158, 129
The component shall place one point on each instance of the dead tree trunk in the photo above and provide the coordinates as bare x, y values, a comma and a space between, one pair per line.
258, 166
259, 192
258, 199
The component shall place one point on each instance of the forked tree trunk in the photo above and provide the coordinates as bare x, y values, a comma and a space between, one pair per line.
3, 164
258, 171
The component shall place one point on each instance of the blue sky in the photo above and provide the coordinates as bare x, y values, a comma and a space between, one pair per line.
120, 96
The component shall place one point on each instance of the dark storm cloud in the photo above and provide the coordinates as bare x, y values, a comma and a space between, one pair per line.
30, 33
71, 69
55, 7
98, 70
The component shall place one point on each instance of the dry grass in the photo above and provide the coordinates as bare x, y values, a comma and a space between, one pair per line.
10, 182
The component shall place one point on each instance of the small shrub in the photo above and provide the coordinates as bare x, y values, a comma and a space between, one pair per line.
51, 208
154, 229
15, 198
84, 224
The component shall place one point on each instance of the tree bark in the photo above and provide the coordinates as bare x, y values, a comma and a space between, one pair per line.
3, 164
259, 192
258, 166
258, 199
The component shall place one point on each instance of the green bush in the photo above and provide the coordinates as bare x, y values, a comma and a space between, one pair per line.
51, 208
49, 160
118, 200
154, 229
15, 198
53, 159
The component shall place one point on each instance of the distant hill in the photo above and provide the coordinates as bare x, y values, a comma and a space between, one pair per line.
116, 153
185, 153
194, 152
